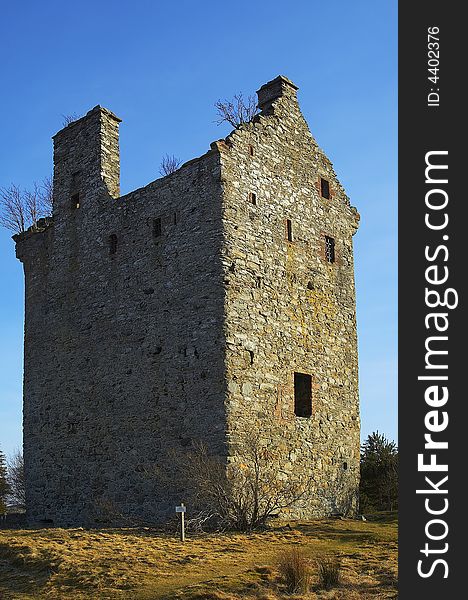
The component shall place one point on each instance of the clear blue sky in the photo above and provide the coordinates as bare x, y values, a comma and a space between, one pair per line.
160, 66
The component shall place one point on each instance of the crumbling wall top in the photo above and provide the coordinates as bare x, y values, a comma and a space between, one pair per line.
270, 91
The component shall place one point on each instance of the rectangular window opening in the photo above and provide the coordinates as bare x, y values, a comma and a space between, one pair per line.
75, 201
157, 227
289, 234
302, 395
324, 188
330, 249
253, 198
113, 243
251, 150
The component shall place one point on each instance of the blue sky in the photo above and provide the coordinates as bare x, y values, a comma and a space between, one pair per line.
161, 66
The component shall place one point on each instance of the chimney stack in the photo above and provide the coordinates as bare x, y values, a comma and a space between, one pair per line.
274, 89
86, 162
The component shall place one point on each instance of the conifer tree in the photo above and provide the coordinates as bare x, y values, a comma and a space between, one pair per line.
379, 473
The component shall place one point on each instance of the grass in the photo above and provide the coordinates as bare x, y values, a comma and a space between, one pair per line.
328, 572
142, 564
294, 569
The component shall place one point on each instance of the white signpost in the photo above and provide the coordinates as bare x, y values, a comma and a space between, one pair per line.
181, 509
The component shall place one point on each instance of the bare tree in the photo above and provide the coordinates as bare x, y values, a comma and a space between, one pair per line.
67, 119
13, 209
21, 209
33, 204
243, 495
236, 111
4, 487
16, 481
169, 164
47, 189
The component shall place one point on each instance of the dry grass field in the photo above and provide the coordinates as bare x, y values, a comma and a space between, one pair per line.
143, 564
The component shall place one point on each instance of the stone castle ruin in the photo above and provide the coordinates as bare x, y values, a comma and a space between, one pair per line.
215, 300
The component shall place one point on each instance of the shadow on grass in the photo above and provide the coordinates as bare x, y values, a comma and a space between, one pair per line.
339, 532
389, 516
22, 570
272, 591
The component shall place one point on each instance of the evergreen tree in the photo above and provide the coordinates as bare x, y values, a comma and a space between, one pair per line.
379, 473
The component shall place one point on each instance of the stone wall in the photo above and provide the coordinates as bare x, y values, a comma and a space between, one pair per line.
287, 308
180, 312
124, 352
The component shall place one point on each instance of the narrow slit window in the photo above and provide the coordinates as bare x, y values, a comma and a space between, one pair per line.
289, 234
113, 243
324, 188
251, 150
75, 181
253, 198
302, 395
330, 249
157, 227
75, 201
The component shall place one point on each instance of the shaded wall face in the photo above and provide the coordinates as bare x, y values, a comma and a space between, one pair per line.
289, 309
124, 361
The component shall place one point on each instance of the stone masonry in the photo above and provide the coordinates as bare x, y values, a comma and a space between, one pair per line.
213, 301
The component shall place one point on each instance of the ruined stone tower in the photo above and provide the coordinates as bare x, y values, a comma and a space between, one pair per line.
213, 301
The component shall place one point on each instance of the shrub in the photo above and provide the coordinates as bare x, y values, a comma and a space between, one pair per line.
328, 572
169, 164
244, 494
236, 112
295, 571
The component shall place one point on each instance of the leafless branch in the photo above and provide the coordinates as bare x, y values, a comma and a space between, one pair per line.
67, 119
236, 111
16, 481
21, 209
47, 192
169, 164
13, 209
244, 494
33, 204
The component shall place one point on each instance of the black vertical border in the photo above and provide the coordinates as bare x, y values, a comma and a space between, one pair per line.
424, 128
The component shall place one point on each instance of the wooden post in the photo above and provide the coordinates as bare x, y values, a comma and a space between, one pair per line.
182, 524
181, 509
